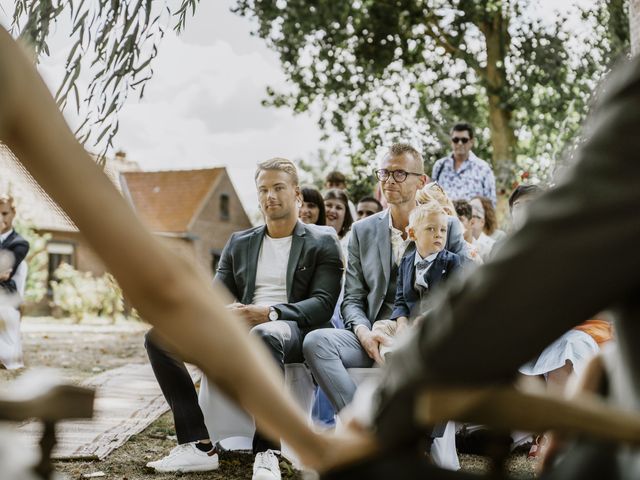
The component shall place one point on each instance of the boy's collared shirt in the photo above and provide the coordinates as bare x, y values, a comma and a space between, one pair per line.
422, 269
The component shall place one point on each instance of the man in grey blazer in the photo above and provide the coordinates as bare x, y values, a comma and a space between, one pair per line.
376, 247
285, 277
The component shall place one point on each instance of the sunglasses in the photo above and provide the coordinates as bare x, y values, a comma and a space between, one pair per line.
460, 139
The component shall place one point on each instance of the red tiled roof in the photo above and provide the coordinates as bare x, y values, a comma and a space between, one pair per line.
34, 203
167, 201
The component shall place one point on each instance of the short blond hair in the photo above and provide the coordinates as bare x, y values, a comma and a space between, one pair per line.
6, 198
281, 164
433, 192
418, 215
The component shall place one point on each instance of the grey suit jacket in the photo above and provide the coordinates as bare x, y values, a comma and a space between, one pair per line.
368, 271
314, 273
369, 267
543, 281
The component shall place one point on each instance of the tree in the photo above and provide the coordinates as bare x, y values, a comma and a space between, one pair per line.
385, 70
116, 41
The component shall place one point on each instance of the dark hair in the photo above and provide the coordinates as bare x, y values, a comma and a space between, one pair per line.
337, 194
524, 191
490, 220
463, 209
371, 199
312, 195
463, 127
335, 177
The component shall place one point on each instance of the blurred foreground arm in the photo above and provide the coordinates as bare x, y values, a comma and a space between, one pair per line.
167, 291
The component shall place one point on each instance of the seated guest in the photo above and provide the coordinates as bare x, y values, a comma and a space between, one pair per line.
481, 240
336, 204
367, 206
376, 246
420, 270
285, 277
518, 201
338, 180
312, 209
10, 241
464, 212
490, 220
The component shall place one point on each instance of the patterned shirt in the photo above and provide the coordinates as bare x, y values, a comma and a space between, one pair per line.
474, 178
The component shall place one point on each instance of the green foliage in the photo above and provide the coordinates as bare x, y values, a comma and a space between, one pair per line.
37, 261
116, 41
383, 71
80, 294
360, 180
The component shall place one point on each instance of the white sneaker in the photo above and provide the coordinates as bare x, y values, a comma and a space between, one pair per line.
186, 458
266, 466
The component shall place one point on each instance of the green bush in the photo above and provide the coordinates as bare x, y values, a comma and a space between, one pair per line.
80, 294
37, 261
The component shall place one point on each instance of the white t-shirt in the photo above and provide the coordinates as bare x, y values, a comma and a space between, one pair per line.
271, 273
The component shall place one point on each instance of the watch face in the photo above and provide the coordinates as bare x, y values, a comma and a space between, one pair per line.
273, 315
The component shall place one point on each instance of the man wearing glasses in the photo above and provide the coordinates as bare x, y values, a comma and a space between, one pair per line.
462, 174
376, 247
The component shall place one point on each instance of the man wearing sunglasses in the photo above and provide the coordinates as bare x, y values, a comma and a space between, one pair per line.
462, 175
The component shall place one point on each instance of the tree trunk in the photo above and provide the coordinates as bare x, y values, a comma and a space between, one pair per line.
503, 138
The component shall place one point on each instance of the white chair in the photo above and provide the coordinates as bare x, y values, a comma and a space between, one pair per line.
10, 340
232, 427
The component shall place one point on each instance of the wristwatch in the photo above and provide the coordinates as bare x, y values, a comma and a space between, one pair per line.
273, 314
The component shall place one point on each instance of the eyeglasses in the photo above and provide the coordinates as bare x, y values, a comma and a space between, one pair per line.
398, 175
464, 140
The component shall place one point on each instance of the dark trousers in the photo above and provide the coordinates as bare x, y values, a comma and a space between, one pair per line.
282, 338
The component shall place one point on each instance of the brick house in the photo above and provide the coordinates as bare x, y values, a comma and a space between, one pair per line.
38, 210
194, 211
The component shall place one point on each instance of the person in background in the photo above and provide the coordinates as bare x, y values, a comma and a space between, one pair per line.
336, 179
521, 196
481, 240
461, 174
367, 206
312, 209
465, 212
490, 220
336, 204
160, 284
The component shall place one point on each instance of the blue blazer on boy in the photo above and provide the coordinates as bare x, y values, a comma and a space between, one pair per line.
407, 297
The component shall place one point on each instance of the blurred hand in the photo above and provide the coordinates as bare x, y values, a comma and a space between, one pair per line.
371, 342
253, 314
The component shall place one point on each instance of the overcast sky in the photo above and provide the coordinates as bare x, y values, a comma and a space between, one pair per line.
202, 107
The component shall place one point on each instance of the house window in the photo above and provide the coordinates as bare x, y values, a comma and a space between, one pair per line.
224, 207
215, 260
59, 253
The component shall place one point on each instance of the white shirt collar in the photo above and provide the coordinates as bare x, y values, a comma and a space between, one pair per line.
5, 235
430, 258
